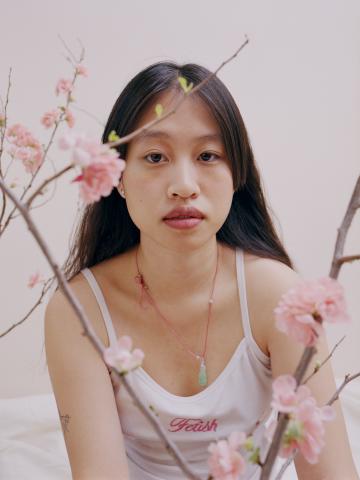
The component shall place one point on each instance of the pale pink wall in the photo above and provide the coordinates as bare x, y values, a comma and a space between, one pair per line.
297, 86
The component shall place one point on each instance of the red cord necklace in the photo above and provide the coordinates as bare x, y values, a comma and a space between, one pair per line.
139, 279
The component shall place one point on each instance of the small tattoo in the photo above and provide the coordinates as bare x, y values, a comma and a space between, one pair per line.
64, 419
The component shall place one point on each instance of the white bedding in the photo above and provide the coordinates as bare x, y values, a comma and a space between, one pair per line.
32, 446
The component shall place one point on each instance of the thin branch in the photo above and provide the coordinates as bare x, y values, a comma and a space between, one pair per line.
47, 200
45, 289
67, 49
89, 332
5, 120
97, 120
316, 369
45, 182
348, 258
346, 380
140, 130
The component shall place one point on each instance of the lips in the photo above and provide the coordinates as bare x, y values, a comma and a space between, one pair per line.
184, 212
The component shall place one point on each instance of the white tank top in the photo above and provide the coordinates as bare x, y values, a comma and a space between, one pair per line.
235, 400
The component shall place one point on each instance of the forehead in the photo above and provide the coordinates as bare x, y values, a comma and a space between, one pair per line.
193, 119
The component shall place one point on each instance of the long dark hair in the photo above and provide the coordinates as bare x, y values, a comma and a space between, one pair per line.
106, 228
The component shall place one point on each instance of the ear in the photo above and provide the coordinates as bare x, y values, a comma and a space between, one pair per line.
120, 185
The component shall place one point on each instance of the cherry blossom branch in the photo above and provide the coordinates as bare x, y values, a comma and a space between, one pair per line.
89, 332
284, 418
288, 461
45, 289
354, 204
53, 133
338, 258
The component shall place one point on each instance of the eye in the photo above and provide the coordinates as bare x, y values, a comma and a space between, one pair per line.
156, 157
151, 154
211, 155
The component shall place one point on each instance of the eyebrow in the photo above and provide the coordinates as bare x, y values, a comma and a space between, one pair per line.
160, 134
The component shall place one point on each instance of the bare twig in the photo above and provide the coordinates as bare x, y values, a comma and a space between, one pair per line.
347, 379
2, 137
82, 110
45, 182
3, 130
316, 369
348, 258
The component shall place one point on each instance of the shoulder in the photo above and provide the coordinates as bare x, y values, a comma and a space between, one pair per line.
61, 316
266, 281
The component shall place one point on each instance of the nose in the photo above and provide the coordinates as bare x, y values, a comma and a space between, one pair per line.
183, 182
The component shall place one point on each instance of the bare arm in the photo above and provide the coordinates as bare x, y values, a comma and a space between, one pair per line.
84, 397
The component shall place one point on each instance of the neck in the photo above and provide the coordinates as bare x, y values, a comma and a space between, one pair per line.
177, 275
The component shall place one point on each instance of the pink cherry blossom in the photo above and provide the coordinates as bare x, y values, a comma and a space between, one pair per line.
50, 118
34, 279
302, 310
225, 462
69, 118
81, 70
64, 86
121, 357
100, 165
25, 147
305, 430
285, 396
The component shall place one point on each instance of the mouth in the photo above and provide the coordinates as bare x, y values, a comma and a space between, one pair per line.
183, 222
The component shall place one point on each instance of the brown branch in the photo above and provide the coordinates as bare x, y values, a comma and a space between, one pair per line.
348, 258
89, 332
354, 204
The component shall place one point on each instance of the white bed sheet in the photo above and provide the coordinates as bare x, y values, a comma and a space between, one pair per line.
32, 446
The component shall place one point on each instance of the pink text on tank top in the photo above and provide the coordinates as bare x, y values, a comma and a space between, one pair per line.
192, 425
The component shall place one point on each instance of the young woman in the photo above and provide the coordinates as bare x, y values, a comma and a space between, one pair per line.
183, 257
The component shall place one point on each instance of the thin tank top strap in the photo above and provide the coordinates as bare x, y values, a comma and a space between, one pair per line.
240, 270
102, 304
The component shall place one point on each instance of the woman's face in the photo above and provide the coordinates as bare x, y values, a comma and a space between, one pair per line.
171, 165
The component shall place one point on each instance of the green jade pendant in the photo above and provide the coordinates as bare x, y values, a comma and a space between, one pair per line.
202, 373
